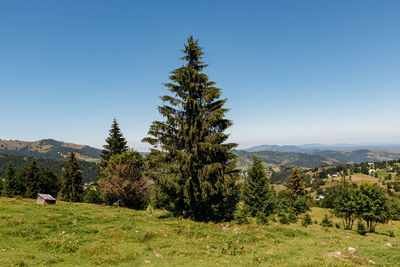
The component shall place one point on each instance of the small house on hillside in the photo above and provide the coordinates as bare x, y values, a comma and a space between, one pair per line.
45, 199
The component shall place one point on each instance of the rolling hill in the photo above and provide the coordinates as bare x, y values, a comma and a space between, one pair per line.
49, 148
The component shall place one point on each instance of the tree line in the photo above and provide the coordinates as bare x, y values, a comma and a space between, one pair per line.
191, 170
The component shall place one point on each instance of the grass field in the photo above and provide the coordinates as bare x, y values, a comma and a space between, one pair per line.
76, 234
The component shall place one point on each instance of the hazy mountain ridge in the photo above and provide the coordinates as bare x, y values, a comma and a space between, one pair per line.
49, 148
307, 148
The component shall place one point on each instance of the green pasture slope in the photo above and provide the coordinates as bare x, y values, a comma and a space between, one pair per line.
76, 234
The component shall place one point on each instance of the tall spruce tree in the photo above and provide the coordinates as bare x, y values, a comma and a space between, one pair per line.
13, 186
258, 195
115, 144
196, 173
32, 180
71, 189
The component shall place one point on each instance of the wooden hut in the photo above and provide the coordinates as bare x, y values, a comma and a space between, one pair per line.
45, 199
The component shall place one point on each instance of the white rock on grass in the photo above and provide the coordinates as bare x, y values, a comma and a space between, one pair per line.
388, 245
352, 250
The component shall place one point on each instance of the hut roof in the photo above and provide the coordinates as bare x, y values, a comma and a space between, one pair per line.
46, 197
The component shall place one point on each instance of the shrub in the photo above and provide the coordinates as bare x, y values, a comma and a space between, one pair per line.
306, 220
292, 218
337, 225
326, 222
93, 196
241, 215
361, 229
283, 219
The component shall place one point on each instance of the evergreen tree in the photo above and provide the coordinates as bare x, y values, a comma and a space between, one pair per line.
196, 173
71, 189
115, 144
258, 195
50, 182
33, 180
13, 186
296, 185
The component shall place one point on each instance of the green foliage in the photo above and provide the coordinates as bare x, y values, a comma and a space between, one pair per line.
195, 173
345, 204
71, 189
306, 220
372, 205
326, 222
292, 217
283, 218
50, 182
122, 180
115, 144
296, 185
89, 169
361, 229
13, 184
259, 196
93, 196
32, 179
241, 214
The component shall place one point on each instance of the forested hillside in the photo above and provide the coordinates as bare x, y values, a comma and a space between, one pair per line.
89, 169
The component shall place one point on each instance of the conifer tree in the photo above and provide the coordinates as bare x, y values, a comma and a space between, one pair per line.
296, 185
196, 173
258, 195
13, 186
115, 144
299, 200
71, 189
32, 180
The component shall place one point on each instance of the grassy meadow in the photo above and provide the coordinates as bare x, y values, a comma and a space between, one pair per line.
77, 234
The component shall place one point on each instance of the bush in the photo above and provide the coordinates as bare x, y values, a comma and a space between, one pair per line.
326, 222
262, 218
391, 233
93, 196
283, 219
292, 218
306, 220
240, 215
361, 229
337, 225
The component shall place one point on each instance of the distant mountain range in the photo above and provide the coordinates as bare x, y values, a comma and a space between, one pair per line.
49, 148
314, 155
308, 155
306, 148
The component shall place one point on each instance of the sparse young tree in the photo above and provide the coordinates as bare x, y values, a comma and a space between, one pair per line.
195, 170
123, 180
115, 144
71, 189
258, 195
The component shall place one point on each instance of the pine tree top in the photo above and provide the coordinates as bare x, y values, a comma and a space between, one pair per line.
115, 143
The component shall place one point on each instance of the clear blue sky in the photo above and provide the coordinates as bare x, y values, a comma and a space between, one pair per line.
293, 71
